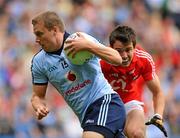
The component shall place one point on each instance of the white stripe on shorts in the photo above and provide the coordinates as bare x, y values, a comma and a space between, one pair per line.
104, 110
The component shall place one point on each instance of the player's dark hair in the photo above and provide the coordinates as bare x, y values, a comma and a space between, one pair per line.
50, 20
124, 34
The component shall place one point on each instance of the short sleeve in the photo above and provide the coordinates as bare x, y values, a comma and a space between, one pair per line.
38, 76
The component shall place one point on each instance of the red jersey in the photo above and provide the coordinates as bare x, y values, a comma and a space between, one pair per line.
128, 81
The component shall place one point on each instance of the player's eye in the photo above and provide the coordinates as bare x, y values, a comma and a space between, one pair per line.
119, 50
39, 34
128, 49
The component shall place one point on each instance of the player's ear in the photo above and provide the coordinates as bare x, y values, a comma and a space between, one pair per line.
55, 29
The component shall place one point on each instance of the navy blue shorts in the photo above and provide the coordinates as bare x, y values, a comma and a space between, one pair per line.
106, 116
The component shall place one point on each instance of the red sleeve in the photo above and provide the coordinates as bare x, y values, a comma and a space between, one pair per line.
148, 72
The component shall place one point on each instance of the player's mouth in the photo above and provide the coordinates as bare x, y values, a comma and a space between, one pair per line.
125, 61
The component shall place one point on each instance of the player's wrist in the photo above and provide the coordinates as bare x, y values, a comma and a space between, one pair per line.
158, 116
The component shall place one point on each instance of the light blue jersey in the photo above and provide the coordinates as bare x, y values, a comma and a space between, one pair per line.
80, 85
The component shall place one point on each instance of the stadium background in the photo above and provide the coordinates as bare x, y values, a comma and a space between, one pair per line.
157, 23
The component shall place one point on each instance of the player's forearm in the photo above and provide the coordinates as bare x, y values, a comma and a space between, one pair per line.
159, 103
106, 53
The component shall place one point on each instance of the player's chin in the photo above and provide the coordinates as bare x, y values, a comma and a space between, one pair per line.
125, 64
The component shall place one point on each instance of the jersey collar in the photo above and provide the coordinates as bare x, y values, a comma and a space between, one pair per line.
58, 52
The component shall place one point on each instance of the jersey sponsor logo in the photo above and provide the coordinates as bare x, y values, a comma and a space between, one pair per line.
77, 87
71, 76
122, 82
119, 84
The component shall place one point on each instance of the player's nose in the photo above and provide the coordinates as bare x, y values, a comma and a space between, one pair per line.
124, 54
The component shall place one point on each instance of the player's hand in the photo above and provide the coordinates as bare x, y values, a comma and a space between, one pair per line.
158, 122
41, 111
74, 44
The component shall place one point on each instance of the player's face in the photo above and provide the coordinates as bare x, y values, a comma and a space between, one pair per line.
125, 51
46, 38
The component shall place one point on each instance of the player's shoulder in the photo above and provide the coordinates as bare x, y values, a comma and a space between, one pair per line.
143, 57
38, 56
141, 53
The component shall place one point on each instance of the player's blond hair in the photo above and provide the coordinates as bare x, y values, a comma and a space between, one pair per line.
50, 19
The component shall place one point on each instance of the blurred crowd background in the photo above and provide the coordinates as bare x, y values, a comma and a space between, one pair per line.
157, 23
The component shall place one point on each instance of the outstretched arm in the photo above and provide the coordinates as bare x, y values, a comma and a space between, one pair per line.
159, 102
82, 43
158, 96
38, 101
